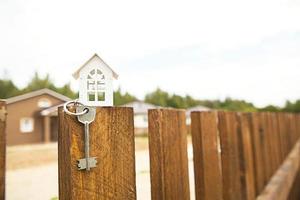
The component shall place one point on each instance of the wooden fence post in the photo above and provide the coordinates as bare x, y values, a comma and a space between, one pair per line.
112, 142
228, 127
2, 148
246, 157
207, 157
168, 155
283, 134
266, 144
257, 146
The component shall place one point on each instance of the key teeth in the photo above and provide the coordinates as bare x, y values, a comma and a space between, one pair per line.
82, 163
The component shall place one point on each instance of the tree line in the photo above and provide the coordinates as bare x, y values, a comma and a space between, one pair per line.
158, 97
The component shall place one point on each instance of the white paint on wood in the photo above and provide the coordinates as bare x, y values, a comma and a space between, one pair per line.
95, 82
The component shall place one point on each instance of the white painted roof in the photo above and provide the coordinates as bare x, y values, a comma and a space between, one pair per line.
76, 73
140, 107
37, 93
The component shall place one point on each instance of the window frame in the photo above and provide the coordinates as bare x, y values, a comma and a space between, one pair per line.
43, 100
95, 86
22, 127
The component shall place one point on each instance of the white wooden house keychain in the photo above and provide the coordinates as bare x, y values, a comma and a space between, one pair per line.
95, 89
95, 82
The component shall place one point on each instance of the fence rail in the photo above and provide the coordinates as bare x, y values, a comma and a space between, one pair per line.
236, 155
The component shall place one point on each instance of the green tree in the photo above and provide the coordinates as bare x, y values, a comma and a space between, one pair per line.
292, 107
120, 99
67, 91
176, 101
38, 83
158, 97
8, 89
270, 108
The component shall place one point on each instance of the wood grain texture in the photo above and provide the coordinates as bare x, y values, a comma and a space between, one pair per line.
246, 157
282, 181
277, 143
207, 157
112, 142
283, 134
228, 127
258, 159
271, 153
2, 153
168, 155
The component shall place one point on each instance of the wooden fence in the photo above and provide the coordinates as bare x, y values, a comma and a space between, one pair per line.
236, 155
2, 148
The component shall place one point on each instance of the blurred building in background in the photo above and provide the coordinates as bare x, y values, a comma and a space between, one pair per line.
140, 110
32, 117
27, 121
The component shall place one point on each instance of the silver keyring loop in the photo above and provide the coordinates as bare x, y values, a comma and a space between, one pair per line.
74, 102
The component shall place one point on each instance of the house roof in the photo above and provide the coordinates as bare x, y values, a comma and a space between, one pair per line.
196, 108
140, 107
37, 93
52, 111
76, 73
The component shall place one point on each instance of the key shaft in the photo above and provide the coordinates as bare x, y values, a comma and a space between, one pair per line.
87, 144
87, 162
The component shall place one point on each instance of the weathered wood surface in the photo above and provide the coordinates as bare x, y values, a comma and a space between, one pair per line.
228, 127
282, 181
207, 157
295, 191
246, 157
168, 155
112, 142
2, 150
258, 158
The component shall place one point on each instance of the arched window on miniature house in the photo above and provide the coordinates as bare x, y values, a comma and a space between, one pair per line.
96, 85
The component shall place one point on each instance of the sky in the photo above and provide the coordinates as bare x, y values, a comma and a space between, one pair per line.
209, 49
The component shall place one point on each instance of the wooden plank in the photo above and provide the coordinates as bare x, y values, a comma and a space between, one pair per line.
246, 157
295, 192
278, 135
168, 154
257, 147
278, 141
273, 148
283, 134
112, 142
229, 155
282, 181
207, 158
265, 143
289, 131
298, 125
293, 128
2, 148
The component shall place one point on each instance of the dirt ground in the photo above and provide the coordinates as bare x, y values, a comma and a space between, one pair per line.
32, 171
26, 156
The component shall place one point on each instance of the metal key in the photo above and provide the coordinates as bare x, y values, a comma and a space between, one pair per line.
87, 162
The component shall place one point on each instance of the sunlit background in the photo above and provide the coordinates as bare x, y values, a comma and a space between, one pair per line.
208, 49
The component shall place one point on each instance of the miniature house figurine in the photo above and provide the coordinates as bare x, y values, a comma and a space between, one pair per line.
95, 82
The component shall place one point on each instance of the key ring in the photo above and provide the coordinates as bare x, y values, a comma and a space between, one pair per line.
75, 103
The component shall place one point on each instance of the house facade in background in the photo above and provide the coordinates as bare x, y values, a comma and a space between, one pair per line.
192, 109
29, 119
32, 117
140, 110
